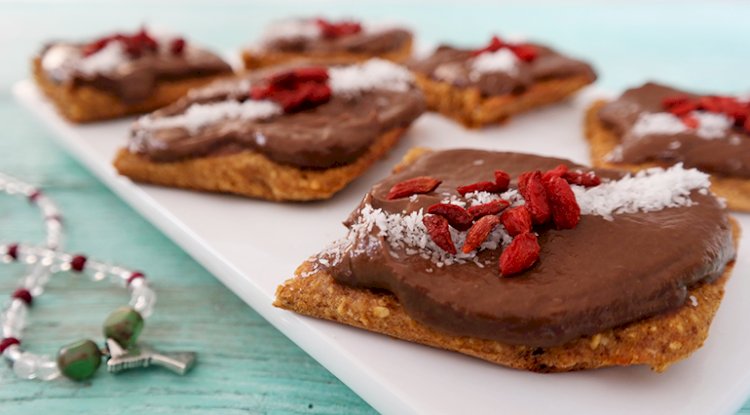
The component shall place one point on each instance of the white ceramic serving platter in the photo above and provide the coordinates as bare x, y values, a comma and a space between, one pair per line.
252, 246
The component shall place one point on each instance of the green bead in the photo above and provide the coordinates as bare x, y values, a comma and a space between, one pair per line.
79, 360
124, 326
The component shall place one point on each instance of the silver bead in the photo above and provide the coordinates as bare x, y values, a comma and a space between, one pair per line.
25, 366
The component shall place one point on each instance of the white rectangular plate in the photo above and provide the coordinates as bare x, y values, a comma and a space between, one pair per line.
252, 246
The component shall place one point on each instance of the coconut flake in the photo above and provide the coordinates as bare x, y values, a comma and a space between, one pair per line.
375, 73
105, 60
647, 191
503, 60
198, 116
710, 125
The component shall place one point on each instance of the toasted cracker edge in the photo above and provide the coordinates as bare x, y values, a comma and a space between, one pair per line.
250, 173
467, 106
82, 104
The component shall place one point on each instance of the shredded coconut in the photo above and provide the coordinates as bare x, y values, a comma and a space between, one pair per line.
503, 60
198, 116
710, 125
658, 123
105, 60
693, 301
647, 191
375, 73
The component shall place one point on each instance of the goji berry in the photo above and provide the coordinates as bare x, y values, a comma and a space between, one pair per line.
674, 100
490, 187
532, 189
416, 185
565, 210
524, 51
520, 255
332, 30
457, 216
516, 220
558, 171
437, 228
177, 46
490, 208
690, 121
479, 232
502, 180
587, 179
684, 108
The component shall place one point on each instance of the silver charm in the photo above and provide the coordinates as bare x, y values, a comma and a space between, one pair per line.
143, 356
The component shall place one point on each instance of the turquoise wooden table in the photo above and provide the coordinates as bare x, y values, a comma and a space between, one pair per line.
245, 365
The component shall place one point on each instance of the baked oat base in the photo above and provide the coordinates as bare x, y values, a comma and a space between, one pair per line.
658, 341
467, 106
256, 60
86, 104
252, 174
603, 140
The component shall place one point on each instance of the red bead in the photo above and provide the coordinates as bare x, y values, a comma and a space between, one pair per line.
134, 276
7, 342
24, 295
12, 251
34, 195
78, 263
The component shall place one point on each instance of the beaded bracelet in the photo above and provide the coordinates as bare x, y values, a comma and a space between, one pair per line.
79, 360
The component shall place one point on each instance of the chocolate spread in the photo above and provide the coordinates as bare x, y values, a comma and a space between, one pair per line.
599, 275
371, 43
333, 134
134, 79
453, 65
728, 155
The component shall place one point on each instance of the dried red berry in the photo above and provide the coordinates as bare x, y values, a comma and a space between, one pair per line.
490, 187
709, 103
532, 189
295, 90
502, 180
558, 171
332, 30
520, 255
747, 125
494, 45
586, 179
565, 210
690, 121
24, 295
416, 185
674, 100
683, 108
437, 228
177, 46
490, 208
524, 51
78, 263
516, 220
479, 232
457, 216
